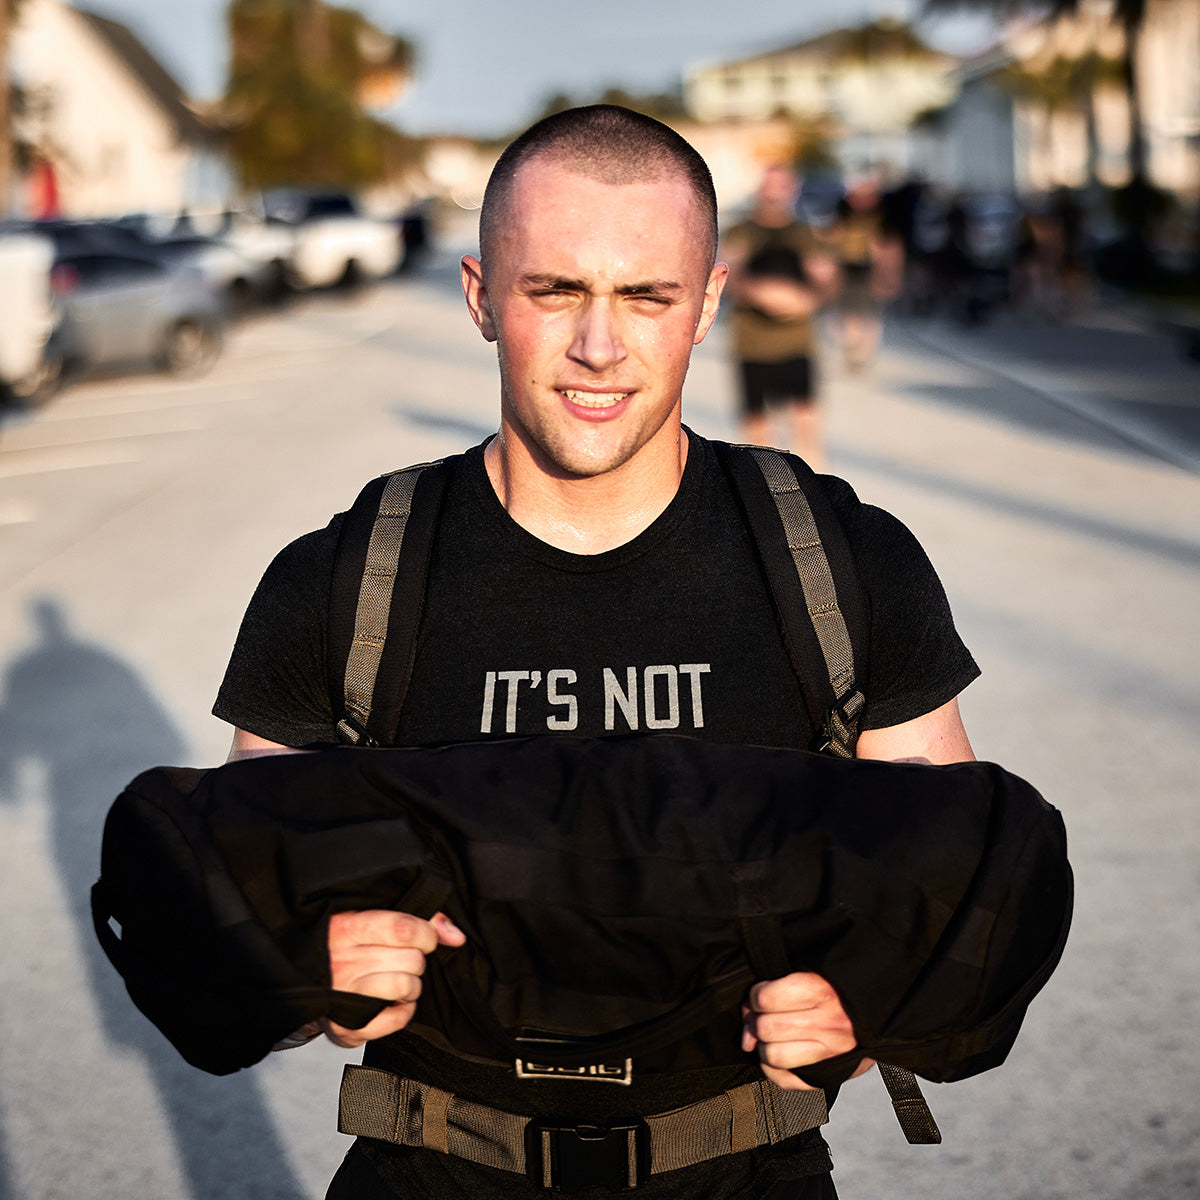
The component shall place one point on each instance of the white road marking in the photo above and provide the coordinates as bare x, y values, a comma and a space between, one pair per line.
17, 512
69, 458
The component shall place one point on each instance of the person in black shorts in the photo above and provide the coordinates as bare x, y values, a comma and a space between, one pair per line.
594, 539
779, 276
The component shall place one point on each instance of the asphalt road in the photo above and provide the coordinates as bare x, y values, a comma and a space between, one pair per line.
1051, 472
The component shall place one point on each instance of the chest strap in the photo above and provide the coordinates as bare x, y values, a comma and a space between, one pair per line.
379, 1104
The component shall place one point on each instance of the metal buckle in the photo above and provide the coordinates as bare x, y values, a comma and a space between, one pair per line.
568, 1158
532, 1065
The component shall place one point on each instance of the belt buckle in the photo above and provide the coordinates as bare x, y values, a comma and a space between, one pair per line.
568, 1158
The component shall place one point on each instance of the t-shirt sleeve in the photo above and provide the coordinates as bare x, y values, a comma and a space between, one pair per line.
275, 683
918, 661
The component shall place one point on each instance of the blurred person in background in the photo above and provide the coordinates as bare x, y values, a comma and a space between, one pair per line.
870, 256
779, 276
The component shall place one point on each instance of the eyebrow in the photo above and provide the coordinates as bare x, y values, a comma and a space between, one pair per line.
648, 287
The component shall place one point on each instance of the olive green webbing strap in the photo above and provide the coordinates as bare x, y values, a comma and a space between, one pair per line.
375, 602
820, 595
378, 1104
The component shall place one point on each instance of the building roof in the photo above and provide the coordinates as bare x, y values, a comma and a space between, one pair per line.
877, 39
151, 74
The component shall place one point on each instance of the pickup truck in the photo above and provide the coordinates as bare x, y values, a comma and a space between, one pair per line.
333, 241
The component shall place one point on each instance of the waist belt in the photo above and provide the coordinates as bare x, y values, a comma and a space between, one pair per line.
379, 1104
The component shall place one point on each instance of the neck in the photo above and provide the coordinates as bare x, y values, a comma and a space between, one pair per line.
586, 514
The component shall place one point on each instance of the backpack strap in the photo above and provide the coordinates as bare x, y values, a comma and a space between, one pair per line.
811, 573
828, 652
377, 599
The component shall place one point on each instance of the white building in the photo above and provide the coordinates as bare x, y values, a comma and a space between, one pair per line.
864, 87
111, 130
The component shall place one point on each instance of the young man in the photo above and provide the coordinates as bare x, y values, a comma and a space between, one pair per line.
593, 532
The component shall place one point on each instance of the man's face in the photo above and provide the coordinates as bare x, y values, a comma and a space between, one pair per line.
595, 294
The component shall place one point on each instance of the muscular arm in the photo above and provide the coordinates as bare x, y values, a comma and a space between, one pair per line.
799, 1020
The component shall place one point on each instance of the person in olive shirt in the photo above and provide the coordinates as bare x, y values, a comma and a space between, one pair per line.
779, 276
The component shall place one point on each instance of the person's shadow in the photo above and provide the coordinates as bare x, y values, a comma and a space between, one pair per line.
89, 724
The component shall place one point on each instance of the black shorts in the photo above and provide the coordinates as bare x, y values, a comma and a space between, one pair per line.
787, 381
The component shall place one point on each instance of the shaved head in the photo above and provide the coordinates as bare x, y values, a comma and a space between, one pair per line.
614, 146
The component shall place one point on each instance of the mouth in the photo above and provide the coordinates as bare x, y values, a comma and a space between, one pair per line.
596, 401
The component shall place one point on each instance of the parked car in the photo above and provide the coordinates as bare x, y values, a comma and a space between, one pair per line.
28, 373
237, 279
333, 241
120, 308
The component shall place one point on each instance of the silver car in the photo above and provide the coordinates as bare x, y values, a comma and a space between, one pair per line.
124, 309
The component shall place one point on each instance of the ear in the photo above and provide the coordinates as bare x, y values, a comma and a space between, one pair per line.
712, 301
476, 293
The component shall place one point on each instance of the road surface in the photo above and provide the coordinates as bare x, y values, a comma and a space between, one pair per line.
1050, 472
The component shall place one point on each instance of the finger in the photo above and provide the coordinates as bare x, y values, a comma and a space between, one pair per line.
381, 927
827, 1023
391, 1020
803, 1053
786, 1080
448, 934
372, 967
790, 993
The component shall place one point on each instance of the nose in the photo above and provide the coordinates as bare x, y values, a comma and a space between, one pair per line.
597, 345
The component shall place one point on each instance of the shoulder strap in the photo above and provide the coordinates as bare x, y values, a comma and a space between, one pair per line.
811, 573
377, 598
811, 570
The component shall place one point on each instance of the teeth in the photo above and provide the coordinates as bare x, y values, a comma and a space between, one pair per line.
595, 399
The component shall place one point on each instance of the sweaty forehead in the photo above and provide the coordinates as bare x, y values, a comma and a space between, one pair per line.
568, 225
552, 200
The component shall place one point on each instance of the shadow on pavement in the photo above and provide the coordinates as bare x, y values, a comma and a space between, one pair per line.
1146, 541
1019, 407
475, 431
91, 724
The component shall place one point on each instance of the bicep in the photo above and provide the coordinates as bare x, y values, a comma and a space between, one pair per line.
935, 737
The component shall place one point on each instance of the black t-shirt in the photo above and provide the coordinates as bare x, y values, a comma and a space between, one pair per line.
673, 631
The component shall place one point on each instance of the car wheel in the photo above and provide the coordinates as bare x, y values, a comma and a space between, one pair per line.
191, 348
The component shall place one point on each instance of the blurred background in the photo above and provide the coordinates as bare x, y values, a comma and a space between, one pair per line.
229, 237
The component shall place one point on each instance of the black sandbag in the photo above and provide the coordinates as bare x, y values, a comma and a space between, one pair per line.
616, 892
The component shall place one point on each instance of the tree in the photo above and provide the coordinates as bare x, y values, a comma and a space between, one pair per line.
303, 75
8, 15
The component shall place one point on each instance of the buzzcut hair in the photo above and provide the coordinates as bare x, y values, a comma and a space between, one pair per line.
610, 144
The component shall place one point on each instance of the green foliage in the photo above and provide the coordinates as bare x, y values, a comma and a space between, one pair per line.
293, 103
